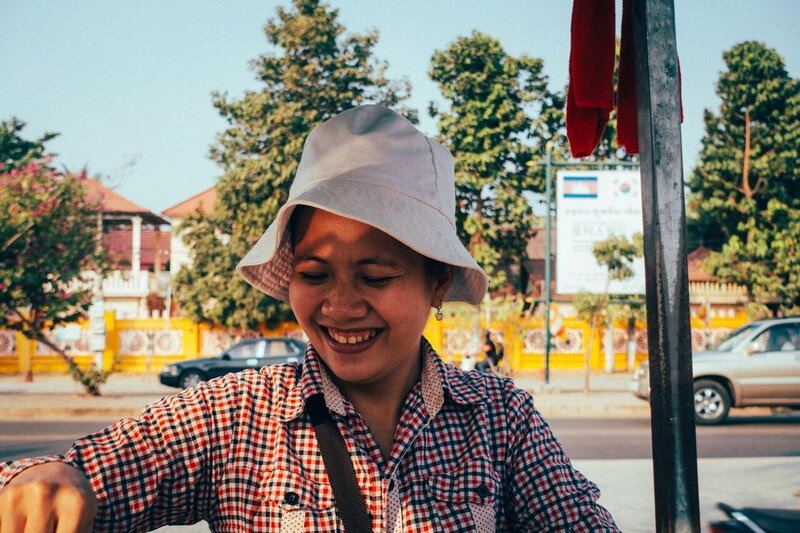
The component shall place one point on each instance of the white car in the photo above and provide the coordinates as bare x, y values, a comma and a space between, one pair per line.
757, 364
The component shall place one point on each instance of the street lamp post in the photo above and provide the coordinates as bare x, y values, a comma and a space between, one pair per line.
548, 335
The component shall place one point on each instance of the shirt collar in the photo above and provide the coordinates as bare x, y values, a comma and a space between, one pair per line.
436, 379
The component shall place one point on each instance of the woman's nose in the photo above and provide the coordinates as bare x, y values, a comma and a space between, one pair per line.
344, 302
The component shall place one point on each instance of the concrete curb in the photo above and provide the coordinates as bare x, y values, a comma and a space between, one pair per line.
53, 397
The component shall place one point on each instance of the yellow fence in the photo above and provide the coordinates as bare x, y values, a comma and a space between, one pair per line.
145, 345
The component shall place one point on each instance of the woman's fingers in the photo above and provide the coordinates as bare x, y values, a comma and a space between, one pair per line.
42, 523
75, 513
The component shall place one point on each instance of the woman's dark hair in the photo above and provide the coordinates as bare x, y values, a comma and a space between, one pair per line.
435, 269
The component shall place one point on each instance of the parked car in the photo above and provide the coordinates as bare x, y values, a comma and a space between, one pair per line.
249, 353
757, 364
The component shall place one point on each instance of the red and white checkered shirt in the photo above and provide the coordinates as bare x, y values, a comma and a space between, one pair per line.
471, 453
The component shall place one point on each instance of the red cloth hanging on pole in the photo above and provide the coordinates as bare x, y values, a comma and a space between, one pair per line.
590, 96
591, 72
627, 126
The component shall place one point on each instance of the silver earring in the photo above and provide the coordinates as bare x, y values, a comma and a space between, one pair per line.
439, 316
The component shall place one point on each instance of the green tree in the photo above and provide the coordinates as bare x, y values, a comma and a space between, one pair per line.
48, 239
314, 71
589, 306
749, 151
748, 179
492, 103
616, 254
768, 263
16, 151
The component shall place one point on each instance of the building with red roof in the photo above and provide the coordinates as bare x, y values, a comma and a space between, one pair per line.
139, 248
201, 203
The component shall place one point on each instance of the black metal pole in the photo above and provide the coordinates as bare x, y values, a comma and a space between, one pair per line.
668, 319
548, 337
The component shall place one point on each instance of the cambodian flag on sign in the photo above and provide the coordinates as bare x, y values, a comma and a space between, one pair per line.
580, 186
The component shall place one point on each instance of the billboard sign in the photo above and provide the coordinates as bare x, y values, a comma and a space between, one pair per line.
592, 206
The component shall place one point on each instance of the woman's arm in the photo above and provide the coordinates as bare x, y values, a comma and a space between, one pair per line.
543, 490
137, 474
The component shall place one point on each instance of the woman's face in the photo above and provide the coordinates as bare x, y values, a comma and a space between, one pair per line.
362, 297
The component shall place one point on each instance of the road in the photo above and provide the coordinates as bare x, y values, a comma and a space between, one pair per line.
582, 438
762, 452
629, 438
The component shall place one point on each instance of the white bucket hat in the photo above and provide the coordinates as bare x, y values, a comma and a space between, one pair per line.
372, 165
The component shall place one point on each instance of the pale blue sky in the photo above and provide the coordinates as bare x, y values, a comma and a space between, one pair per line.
130, 81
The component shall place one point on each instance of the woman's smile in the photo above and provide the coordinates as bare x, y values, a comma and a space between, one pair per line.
350, 342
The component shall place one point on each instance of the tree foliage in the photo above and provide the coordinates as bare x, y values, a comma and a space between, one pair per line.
617, 255
16, 151
745, 191
313, 71
768, 264
729, 187
491, 122
48, 239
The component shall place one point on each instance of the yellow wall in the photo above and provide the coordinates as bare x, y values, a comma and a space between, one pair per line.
190, 344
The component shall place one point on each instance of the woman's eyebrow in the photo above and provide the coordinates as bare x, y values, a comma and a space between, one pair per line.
378, 261
303, 258
367, 261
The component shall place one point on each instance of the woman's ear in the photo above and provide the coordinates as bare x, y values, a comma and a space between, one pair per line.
443, 281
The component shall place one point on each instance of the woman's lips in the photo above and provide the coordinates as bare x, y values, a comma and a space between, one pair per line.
351, 341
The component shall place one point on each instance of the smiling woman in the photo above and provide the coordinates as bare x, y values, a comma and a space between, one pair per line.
363, 249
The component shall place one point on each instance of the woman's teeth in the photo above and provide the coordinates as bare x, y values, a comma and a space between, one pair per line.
352, 338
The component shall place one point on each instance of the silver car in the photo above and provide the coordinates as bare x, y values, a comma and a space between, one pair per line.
757, 364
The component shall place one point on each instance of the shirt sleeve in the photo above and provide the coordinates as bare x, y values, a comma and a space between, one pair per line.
160, 468
543, 490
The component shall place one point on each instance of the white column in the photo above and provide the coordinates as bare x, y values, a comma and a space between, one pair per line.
136, 245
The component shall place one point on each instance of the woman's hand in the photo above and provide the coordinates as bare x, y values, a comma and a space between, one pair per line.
48, 497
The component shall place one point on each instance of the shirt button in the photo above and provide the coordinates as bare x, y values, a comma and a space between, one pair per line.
291, 498
483, 490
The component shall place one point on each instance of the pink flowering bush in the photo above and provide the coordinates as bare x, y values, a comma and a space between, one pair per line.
48, 238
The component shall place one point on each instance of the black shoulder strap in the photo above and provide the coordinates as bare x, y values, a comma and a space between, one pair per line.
346, 492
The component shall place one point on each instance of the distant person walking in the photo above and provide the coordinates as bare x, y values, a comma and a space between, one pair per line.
492, 356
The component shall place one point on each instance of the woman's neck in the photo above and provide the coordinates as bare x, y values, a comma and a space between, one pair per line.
379, 404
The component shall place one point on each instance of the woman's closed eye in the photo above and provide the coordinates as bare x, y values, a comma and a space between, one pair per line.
313, 277
377, 281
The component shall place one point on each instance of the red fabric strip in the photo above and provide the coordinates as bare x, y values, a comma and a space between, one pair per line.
627, 127
590, 95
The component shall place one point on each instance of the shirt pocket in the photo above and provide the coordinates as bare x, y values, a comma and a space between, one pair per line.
464, 499
291, 502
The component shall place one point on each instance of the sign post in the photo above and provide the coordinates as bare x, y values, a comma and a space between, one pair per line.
97, 332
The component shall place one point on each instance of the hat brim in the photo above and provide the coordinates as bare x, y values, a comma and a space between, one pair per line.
268, 264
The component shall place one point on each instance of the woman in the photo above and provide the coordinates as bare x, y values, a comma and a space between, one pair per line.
363, 249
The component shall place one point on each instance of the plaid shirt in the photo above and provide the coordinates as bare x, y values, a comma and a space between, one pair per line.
471, 453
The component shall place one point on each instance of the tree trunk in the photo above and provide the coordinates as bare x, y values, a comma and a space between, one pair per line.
748, 191
587, 354
90, 385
